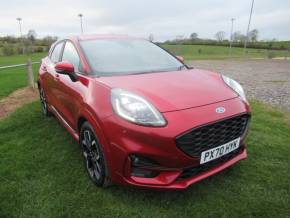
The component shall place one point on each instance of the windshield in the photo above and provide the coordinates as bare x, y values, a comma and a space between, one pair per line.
108, 57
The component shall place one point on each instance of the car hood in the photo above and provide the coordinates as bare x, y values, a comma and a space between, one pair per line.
170, 91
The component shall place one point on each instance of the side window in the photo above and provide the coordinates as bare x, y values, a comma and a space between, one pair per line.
55, 55
70, 54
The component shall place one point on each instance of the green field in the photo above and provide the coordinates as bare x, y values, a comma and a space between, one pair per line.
20, 59
15, 78
42, 175
276, 44
197, 52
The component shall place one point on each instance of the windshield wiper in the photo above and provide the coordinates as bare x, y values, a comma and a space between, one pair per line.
182, 67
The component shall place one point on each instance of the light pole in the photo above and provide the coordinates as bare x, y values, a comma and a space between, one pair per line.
248, 29
81, 21
231, 37
19, 19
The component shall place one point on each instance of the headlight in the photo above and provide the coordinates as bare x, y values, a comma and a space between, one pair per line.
236, 87
135, 108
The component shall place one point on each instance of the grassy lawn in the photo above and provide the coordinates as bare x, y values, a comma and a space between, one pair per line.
20, 59
15, 78
42, 175
195, 52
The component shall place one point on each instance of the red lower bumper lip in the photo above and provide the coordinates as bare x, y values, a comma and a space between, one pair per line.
170, 180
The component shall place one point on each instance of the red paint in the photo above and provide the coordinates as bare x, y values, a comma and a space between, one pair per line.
64, 67
186, 99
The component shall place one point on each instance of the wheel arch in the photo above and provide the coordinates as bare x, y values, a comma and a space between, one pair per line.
94, 121
38, 84
86, 115
80, 122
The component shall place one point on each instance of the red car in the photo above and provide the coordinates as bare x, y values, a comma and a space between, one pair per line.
141, 116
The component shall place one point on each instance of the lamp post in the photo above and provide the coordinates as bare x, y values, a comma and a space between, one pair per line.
81, 22
248, 29
231, 36
19, 19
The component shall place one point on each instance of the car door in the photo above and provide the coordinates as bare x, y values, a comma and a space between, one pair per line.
51, 76
71, 92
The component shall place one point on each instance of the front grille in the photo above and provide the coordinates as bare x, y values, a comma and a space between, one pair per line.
212, 135
204, 167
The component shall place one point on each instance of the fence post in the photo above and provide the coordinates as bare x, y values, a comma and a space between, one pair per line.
30, 74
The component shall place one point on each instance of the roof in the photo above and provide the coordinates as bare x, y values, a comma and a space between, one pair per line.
101, 36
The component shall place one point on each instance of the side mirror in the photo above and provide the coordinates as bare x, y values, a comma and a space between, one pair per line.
180, 58
66, 68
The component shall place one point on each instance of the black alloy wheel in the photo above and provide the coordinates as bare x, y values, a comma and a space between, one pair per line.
43, 102
94, 159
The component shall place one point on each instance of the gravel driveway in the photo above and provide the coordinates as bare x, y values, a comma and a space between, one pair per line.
265, 80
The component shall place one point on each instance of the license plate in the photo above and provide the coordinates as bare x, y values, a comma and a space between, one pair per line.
219, 151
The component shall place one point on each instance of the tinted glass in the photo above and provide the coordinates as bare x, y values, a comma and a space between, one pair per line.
126, 56
70, 54
55, 55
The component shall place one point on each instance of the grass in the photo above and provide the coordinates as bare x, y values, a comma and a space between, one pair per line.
20, 59
12, 79
276, 81
42, 175
199, 52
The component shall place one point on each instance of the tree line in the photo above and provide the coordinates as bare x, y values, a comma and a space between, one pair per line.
26, 44
237, 39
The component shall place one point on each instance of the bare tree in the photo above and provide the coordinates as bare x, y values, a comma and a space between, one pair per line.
151, 37
220, 36
31, 35
238, 37
253, 35
193, 36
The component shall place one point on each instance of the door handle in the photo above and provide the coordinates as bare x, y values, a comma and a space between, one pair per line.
56, 78
43, 68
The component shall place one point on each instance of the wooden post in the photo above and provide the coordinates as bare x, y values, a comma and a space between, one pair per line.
30, 74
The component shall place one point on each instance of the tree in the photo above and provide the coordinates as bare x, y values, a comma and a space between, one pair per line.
47, 41
7, 49
238, 37
270, 43
31, 35
253, 35
220, 36
193, 36
151, 37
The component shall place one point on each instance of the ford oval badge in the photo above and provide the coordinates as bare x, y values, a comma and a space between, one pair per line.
220, 110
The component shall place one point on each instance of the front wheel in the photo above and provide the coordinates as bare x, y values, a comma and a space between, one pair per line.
93, 155
43, 102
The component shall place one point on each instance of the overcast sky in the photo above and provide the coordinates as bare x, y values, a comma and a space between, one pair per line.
163, 18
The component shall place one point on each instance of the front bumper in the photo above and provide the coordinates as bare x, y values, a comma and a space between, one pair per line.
170, 180
158, 144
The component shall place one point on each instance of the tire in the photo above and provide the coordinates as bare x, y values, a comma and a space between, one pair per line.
94, 159
43, 103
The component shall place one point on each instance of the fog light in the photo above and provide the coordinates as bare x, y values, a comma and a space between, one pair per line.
139, 172
143, 167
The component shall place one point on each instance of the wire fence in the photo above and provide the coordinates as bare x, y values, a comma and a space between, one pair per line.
17, 65
29, 70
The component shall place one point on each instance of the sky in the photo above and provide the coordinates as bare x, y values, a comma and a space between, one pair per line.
165, 19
